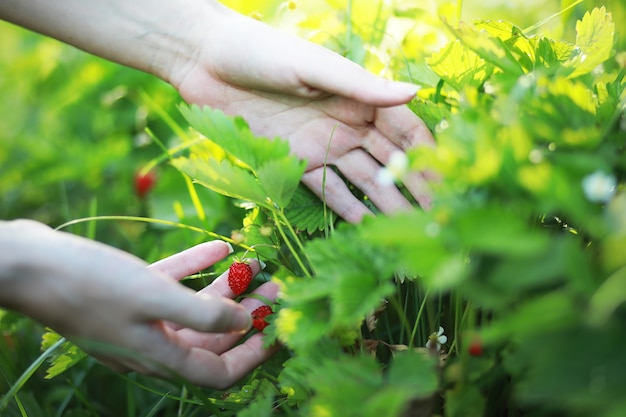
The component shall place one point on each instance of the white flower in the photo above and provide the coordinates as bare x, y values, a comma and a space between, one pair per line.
437, 339
395, 170
599, 187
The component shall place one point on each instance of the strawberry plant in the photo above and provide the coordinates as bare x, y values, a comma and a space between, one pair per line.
503, 299
475, 306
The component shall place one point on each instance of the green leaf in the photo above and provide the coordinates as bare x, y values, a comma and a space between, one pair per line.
302, 325
280, 178
307, 212
550, 53
256, 221
356, 274
409, 240
459, 66
492, 48
355, 295
344, 386
387, 401
558, 368
610, 295
594, 38
543, 269
223, 177
68, 355
546, 313
498, 231
263, 403
257, 169
543, 113
464, 401
414, 372
499, 28
431, 113
234, 136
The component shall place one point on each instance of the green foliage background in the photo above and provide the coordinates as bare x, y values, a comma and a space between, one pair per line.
513, 255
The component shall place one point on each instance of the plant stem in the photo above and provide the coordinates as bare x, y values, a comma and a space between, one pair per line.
288, 242
418, 319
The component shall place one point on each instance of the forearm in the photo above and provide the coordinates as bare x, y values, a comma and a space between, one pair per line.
52, 276
154, 36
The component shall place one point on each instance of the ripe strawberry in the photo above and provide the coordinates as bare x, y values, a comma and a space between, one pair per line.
475, 348
258, 317
239, 276
144, 183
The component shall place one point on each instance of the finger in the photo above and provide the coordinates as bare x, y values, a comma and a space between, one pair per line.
205, 368
169, 355
416, 182
334, 192
220, 343
220, 287
193, 259
360, 169
403, 127
399, 128
325, 70
200, 311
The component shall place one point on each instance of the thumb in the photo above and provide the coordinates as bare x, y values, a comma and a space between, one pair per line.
202, 312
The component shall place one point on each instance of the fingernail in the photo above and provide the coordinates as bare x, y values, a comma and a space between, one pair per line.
409, 89
230, 248
243, 321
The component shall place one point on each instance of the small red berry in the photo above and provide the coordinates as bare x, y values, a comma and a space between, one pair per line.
475, 348
144, 182
258, 317
239, 276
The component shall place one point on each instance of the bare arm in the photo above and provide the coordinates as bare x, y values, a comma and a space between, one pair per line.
151, 36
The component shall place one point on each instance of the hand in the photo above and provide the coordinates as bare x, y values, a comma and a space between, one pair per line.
130, 316
332, 111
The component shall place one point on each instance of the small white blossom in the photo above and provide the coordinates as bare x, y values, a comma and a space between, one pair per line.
599, 187
436, 339
396, 169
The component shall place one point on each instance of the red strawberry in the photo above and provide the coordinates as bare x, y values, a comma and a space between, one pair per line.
258, 317
475, 348
239, 276
144, 183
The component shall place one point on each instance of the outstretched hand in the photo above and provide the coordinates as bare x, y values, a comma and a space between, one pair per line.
129, 315
332, 111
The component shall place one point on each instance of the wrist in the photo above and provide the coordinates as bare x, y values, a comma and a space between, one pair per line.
168, 40
19, 261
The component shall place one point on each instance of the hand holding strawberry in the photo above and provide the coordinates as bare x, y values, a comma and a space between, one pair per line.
149, 322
